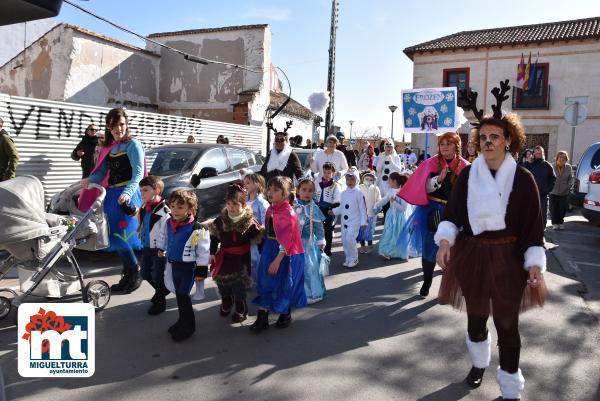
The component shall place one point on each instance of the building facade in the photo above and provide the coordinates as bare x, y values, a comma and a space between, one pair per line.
567, 55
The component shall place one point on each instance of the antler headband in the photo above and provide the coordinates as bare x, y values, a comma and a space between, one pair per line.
469, 98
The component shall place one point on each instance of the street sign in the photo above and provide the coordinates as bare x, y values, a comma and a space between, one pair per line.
575, 114
576, 99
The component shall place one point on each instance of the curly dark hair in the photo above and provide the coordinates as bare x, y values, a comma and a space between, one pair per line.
112, 119
184, 197
512, 127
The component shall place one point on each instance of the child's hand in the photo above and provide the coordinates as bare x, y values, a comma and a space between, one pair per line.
273, 268
199, 279
161, 254
331, 213
321, 246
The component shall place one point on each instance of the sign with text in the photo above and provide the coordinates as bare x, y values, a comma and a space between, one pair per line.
56, 340
429, 110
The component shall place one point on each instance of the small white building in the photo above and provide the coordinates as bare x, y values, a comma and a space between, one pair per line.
567, 55
73, 64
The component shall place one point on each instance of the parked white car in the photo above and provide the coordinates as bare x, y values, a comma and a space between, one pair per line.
591, 202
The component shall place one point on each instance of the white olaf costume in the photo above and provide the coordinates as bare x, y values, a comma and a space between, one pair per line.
385, 165
353, 214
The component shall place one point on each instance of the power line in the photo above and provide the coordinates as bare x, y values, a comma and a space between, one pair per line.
187, 56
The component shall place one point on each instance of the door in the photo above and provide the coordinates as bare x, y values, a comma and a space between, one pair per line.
211, 190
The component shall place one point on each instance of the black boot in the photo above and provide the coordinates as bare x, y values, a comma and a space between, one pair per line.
262, 321
428, 268
158, 306
119, 288
241, 311
187, 326
475, 377
226, 303
135, 280
284, 320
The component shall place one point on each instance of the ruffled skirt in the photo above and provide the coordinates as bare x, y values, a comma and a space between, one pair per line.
395, 221
487, 276
314, 280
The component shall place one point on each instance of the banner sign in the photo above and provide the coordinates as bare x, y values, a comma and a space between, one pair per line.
429, 110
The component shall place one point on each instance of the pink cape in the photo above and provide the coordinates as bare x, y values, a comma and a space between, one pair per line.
285, 223
414, 191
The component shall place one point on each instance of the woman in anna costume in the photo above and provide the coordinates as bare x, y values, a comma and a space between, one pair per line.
429, 188
492, 245
280, 282
124, 165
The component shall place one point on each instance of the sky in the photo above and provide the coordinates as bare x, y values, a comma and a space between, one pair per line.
371, 69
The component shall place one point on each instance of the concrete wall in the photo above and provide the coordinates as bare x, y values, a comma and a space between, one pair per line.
208, 91
40, 71
572, 72
21, 34
105, 74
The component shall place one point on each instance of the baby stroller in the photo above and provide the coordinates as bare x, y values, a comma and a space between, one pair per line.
36, 241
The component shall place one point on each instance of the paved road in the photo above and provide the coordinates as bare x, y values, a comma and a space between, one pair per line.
373, 338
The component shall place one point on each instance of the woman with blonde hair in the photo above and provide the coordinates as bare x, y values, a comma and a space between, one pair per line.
559, 196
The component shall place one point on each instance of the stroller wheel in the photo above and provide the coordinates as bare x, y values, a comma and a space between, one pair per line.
5, 307
97, 293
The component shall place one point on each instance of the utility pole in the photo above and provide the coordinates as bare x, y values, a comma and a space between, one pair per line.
330, 115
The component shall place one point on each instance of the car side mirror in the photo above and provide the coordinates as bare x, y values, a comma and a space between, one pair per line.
195, 180
208, 172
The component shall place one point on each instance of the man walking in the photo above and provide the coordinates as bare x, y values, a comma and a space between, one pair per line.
9, 157
543, 173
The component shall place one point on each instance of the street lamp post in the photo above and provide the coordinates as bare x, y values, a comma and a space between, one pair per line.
351, 122
380, 127
393, 109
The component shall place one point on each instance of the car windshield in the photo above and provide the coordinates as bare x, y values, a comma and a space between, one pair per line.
168, 161
304, 159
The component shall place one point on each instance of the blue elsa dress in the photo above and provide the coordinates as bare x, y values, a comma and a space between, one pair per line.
314, 280
390, 243
259, 209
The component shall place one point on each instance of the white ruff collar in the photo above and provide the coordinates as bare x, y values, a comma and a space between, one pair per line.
487, 196
278, 161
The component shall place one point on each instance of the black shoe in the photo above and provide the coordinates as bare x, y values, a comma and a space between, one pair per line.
261, 323
158, 307
475, 377
183, 332
173, 328
284, 320
135, 281
119, 288
424, 292
241, 312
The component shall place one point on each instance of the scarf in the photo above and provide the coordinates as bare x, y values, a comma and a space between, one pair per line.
560, 166
176, 224
487, 195
149, 206
279, 160
414, 191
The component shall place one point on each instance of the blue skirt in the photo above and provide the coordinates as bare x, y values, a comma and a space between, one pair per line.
416, 235
284, 290
395, 220
122, 229
314, 281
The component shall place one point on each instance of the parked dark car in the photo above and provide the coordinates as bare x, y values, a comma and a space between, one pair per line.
207, 168
589, 161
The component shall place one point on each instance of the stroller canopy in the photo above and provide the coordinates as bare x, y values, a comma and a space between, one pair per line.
22, 212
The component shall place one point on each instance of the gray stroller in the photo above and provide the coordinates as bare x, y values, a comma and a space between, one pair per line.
37, 241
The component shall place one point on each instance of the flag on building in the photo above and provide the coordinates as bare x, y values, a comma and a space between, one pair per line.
532, 76
521, 73
526, 78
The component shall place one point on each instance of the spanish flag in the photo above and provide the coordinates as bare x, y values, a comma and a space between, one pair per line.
526, 78
521, 73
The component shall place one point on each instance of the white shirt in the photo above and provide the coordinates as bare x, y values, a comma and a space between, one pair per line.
337, 158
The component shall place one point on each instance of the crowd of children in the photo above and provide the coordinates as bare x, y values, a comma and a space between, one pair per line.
272, 236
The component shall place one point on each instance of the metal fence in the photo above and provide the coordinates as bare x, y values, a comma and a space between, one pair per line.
46, 132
